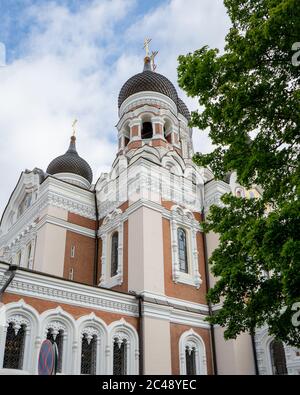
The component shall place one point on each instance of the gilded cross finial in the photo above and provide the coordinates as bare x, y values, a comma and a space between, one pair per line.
146, 45
73, 126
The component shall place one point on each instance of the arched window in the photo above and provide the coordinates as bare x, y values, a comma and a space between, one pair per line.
28, 254
19, 257
114, 254
190, 359
182, 250
57, 338
14, 347
88, 354
192, 355
278, 358
147, 130
120, 357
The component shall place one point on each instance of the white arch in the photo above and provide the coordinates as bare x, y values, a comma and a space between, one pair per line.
172, 165
191, 339
263, 341
173, 155
21, 313
92, 325
183, 212
123, 330
59, 319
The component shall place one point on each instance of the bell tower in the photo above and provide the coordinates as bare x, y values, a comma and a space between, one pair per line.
151, 113
150, 207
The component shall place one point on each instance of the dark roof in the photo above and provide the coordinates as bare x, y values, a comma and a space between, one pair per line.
147, 81
183, 110
71, 162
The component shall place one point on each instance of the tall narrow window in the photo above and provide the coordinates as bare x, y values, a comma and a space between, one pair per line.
114, 254
278, 358
120, 357
14, 347
182, 251
147, 130
58, 339
88, 355
190, 357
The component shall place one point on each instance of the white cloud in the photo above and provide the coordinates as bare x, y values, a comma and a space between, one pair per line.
66, 71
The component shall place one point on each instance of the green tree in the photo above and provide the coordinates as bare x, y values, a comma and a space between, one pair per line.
250, 103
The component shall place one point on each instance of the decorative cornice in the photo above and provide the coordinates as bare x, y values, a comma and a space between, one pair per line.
53, 192
58, 290
66, 225
148, 97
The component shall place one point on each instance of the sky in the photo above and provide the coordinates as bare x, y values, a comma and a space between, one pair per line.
68, 59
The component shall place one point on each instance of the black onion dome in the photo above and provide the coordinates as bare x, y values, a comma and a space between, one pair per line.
183, 110
71, 162
148, 80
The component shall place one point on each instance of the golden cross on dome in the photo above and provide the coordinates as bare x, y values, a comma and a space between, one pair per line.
73, 126
146, 45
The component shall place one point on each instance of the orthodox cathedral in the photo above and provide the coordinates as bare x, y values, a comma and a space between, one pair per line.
116, 272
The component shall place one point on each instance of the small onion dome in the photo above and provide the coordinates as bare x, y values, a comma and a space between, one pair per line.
148, 80
72, 163
183, 110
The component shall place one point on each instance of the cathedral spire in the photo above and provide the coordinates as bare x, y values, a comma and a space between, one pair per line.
72, 146
149, 64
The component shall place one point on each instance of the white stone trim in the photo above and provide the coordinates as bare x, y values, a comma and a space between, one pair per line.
123, 330
149, 98
176, 302
19, 313
112, 223
63, 291
57, 319
214, 190
52, 192
185, 219
74, 179
48, 219
28, 182
38, 324
92, 325
176, 316
191, 339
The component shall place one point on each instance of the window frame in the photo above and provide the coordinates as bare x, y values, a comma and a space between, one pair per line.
191, 339
112, 223
114, 255
184, 218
